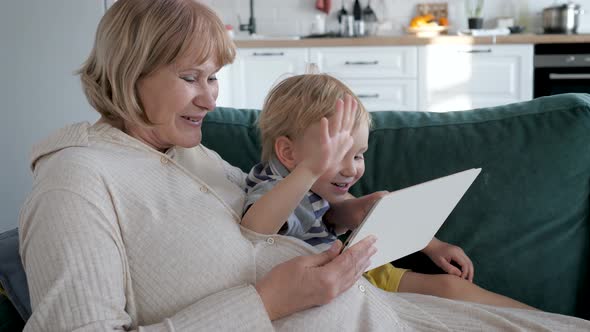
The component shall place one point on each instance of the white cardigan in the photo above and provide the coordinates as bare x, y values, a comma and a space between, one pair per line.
116, 235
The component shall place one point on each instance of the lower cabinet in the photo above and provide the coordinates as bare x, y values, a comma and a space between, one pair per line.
435, 78
385, 94
384, 78
460, 77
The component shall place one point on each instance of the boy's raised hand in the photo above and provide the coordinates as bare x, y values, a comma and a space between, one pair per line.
442, 253
326, 143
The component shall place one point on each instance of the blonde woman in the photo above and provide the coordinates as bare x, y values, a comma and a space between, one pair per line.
132, 224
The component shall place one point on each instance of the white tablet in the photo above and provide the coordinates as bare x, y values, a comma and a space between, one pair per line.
405, 221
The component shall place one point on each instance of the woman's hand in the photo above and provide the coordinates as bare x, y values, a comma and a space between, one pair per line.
442, 253
351, 212
325, 143
307, 281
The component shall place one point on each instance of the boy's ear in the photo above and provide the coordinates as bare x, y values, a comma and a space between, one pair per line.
285, 152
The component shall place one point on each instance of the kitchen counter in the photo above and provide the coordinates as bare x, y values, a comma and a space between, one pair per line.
409, 40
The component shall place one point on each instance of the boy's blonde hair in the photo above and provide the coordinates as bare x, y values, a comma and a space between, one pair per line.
298, 102
137, 37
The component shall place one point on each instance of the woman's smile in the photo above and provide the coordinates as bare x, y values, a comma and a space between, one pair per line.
193, 121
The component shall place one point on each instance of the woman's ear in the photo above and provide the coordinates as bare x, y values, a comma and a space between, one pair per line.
285, 152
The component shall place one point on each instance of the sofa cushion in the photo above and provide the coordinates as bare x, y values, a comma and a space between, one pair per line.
233, 133
12, 275
525, 220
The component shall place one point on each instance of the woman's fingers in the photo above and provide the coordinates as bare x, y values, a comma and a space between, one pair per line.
306, 281
326, 256
353, 262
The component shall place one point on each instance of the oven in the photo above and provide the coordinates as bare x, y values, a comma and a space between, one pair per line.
561, 68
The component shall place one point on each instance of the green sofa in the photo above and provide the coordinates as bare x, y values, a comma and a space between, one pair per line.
525, 222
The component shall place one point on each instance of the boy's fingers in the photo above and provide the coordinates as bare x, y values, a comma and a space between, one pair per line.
336, 118
467, 267
324, 130
348, 112
449, 268
464, 267
464, 272
352, 113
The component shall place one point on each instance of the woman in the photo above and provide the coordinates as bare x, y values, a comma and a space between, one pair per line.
132, 224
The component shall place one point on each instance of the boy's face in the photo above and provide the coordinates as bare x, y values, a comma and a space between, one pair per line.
335, 183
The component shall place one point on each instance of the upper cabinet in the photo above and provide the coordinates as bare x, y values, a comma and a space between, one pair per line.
256, 70
384, 78
460, 77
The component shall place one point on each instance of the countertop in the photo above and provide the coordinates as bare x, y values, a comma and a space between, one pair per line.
409, 40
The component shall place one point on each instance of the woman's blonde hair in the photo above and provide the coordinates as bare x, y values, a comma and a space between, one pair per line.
135, 38
298, 102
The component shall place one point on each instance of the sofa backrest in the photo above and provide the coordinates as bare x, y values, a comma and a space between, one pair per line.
524, 222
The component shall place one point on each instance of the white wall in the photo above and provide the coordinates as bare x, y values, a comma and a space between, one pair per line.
294, 17
42, 43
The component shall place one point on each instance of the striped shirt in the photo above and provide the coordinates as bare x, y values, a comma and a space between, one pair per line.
305, 222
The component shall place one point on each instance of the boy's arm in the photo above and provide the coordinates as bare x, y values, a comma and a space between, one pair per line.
329, 216
323, 145
268, 214
351, 211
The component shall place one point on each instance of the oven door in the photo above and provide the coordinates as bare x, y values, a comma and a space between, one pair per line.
551, 81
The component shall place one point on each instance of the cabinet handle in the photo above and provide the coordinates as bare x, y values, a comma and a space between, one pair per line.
554, 76
268, 53
367, 96
487, 50
361, 62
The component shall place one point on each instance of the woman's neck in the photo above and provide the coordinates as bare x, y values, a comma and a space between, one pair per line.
130, 131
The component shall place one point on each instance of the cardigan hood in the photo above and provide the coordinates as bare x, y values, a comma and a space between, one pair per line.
74, 135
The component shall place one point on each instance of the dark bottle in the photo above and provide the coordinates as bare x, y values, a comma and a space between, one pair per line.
357, 11
342, 13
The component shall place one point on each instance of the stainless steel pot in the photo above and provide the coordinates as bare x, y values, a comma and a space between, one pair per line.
562, 19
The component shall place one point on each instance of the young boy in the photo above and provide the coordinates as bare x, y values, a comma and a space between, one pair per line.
314, 133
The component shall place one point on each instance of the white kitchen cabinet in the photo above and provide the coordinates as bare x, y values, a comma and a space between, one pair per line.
384, 78
460, 77
225, 80
256, 70
385, 94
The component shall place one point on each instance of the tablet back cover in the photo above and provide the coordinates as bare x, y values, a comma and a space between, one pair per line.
406, 220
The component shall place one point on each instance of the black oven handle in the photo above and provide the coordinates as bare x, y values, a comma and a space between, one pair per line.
554, 76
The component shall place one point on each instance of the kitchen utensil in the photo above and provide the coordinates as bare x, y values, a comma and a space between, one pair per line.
562, 18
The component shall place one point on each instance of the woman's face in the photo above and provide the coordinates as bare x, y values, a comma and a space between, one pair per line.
176, 98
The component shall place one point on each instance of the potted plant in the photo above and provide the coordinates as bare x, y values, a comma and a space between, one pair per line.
474, 10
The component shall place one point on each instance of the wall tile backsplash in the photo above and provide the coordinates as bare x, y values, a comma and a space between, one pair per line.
295, 17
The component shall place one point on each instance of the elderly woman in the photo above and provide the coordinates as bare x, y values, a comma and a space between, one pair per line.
133, 225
